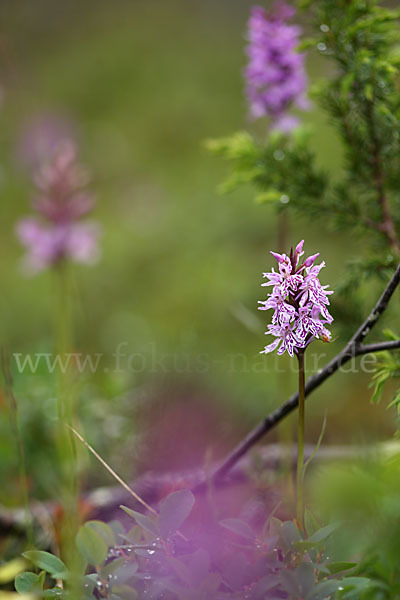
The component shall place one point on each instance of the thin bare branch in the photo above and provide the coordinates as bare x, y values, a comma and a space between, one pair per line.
104, 502
378, 347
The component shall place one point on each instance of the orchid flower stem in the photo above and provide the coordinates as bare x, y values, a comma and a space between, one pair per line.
300, 442
286, 432
65, 437
62, 334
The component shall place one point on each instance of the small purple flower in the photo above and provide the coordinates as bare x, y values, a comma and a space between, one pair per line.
299, 302
286, 336
276, 79
61, 203
284, 313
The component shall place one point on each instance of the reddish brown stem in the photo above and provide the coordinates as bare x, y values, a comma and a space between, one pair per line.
386, 225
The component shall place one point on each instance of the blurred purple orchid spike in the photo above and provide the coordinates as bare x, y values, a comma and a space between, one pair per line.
299, 302
276, 80
40, 136
61, 203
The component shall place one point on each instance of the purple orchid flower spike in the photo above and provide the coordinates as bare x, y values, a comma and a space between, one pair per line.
299, 302
276, 79
61, 203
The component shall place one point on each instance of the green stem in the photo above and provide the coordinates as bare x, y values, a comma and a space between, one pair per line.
14, 420
300, 442
284, 382
63, 345
66, 442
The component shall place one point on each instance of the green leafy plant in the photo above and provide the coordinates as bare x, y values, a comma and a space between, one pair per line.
154, 559
387, 370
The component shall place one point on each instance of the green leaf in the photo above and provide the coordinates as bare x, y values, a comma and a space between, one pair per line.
311, 522
90, 582
28, 582
10, 569
239, 527
380, 379
274, 526
91, 545
125, 592
290, 582
48, 562
265, 584
174, 510
324, 589
124, 573
239, 145
289, 533
322, 534
304, 545
111, 567
134, 535
390, 335
395, 401
353, 586
320, 567
338, 567
347, 83
306, 44
147, 523
103, 530
116, 527
267, 529
306, 578
356, 582
268, 197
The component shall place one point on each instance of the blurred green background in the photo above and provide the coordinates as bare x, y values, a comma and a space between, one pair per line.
142, 85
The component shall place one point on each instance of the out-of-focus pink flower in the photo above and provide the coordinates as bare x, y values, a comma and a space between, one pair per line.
47, 245
60, 184
40, 136
61, 202
275, 75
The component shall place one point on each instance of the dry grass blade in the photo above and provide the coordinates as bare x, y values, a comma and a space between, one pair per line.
113, 473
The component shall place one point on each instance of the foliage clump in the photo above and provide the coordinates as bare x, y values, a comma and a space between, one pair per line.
155, 560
